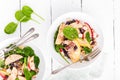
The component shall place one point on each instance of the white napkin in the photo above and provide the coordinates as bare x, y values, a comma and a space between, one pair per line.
90, 73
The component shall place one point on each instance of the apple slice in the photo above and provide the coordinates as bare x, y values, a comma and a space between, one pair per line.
12, 58
3, 74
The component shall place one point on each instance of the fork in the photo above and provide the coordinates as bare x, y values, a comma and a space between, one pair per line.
86, 58
19, 42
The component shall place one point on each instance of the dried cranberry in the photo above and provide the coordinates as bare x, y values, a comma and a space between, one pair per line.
66, 53
75, 47
70, 45
81, 30
65, 38
61, 50
64, 45
77, 21
69, 22
93, 42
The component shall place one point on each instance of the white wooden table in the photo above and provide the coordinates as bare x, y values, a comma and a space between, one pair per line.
106, 12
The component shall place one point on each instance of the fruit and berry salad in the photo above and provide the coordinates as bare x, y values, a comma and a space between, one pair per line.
74, 39
21, 63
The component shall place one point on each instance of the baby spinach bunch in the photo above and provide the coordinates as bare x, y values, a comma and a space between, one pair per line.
23, 15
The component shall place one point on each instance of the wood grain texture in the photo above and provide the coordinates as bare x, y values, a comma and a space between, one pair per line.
60, 7
117, 38
102, 11
7, 11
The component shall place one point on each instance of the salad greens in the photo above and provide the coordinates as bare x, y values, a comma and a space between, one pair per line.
74, 38
88, 37
87, 50
17, 79
36, 61
27, 74
23, 15
28, 60
58, 47
56, 33
2, 63
28, 51
70, 32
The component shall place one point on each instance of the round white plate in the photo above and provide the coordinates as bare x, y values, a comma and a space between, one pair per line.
37, 51
73, 15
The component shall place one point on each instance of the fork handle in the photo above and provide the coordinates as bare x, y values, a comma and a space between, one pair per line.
31, 30
60, 69
34, 36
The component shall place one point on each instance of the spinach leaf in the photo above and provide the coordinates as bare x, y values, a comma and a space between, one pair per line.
70, 32
33, 73
10, 53
58, 47
27, 74
25, 60
10, 28
17, 79
21, 17
87, 50
28, 51
88, 37
55, 35
2, 63
27, 10
19, 51
36, 61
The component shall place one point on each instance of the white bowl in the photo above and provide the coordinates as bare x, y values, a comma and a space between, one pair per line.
42, 67
63, 18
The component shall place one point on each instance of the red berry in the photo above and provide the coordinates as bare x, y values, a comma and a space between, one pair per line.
61, 50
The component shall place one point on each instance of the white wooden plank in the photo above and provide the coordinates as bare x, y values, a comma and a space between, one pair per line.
7, 12
60, 7
102, 11
42, 8
117, 38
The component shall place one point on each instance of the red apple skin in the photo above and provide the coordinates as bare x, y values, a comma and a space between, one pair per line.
3, 76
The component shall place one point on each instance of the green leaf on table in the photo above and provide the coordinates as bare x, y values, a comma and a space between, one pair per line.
27, 10
88, 37
87, 50
21, 17
10, 28
70, 32
36, 61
